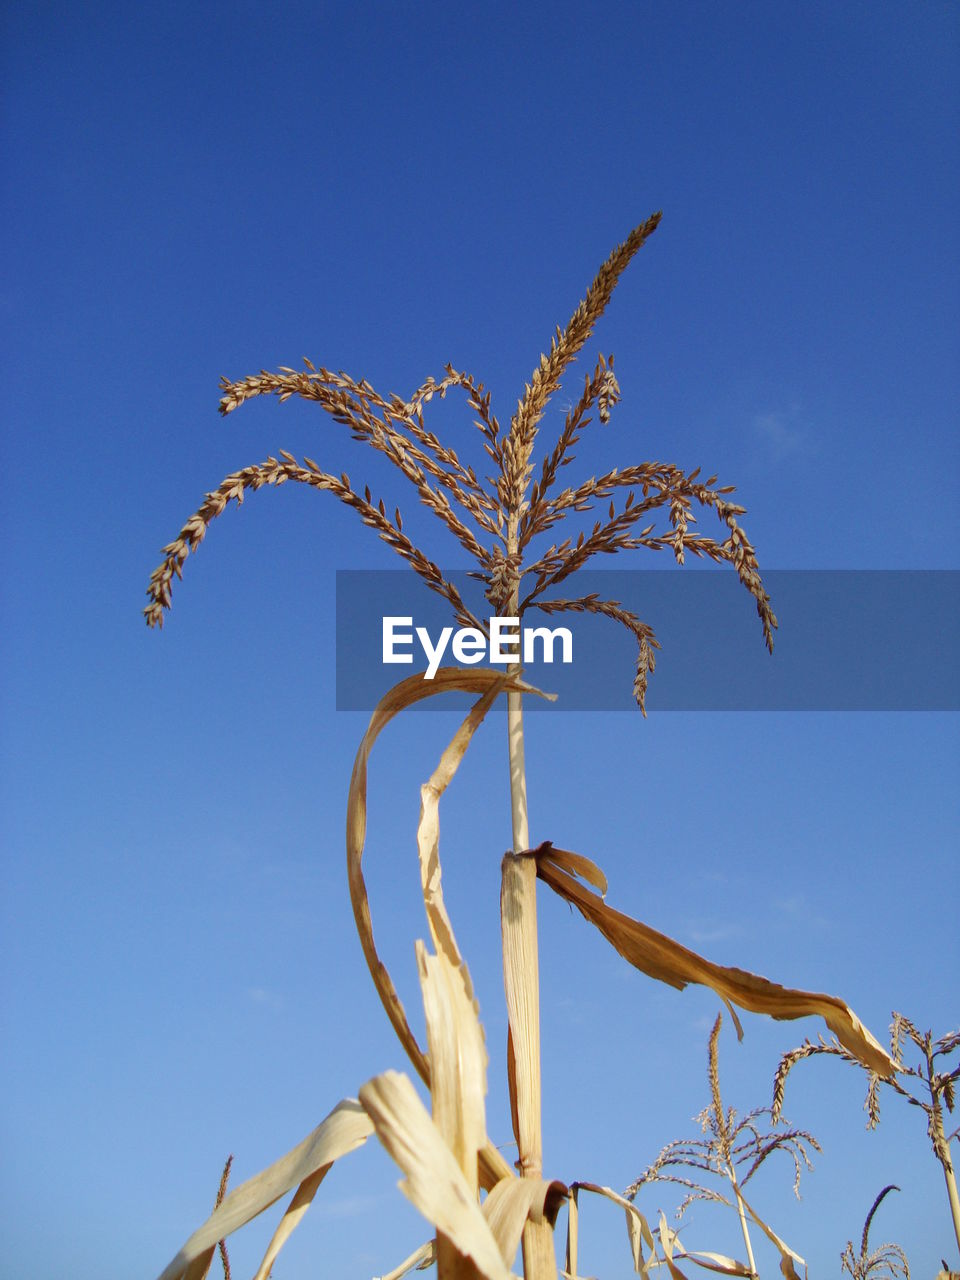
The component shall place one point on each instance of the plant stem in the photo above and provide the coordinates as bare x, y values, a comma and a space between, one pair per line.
954, 1198
941, 1148
518, 906
518, 770
743, 1218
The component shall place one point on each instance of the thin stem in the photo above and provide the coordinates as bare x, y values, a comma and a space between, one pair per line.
951, 1182
743, 1218
941, 1147
723, 1126
518, 772
522, 977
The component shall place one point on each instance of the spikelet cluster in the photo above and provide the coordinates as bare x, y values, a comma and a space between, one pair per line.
498, 519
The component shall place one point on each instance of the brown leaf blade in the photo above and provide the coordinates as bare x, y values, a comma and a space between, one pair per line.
669, 961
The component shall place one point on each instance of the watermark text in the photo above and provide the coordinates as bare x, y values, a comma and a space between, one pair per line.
508, 643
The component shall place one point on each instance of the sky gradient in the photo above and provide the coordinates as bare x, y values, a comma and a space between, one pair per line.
193, 191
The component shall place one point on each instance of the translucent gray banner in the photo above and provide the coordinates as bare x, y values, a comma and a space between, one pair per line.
848, 640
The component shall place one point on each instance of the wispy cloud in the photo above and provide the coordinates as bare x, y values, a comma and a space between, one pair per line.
703, 1023
714, 932
797, 909
349, 1206
782, 432
263, 996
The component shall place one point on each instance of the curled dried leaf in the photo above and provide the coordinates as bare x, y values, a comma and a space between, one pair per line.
405, 694
669, 961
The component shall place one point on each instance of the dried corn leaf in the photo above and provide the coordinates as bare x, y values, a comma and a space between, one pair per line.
428, 831
434, 1182
668, 961
670, 1242
408, 692
573, 1235
518, 924
298, 1206
458, 1061
512, 1201
458, 1084
787, 1255
638, 1229
419, 1260
716, 1262
344, 1129
521, 980
668, 1239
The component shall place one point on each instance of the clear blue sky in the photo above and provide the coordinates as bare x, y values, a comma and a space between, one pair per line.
197, 190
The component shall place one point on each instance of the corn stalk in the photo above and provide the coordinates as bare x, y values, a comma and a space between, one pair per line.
446, 1156
521, 973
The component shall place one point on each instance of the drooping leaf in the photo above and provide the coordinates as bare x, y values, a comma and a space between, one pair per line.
669, 961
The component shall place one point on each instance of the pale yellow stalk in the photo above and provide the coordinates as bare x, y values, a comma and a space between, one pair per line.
521, 972
743, 1217
941, 1147
954, 1199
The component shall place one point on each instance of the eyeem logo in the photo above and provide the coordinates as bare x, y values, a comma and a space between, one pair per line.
469, 645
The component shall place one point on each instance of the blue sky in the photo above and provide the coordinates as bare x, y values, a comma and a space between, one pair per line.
192, 191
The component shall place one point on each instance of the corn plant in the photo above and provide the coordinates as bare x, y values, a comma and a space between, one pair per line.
502, 522
887, 1260
925, 1085
731, 1150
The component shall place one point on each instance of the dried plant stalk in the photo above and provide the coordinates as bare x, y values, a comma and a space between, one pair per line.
518, 912
518, 921
447, 1158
